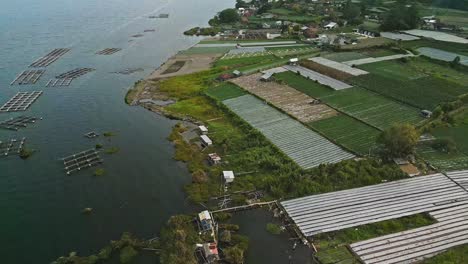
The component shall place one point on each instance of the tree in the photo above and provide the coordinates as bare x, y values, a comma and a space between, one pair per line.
229, 15
401, 17
352, 13
234, 255
399, 140
455, 62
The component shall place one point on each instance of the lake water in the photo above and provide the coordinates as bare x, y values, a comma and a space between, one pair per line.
40, 205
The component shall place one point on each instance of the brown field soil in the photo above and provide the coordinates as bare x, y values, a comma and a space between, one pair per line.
184, 64
175, 67
288, 99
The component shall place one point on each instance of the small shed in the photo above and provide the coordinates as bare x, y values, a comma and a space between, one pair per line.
210, 251
203, 130
228, 176
266, 77
206, 141
237, 73
206, 222
331, 25
214, 158
293, 61
426, 113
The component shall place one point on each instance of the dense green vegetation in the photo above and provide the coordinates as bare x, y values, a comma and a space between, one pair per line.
401, 17
348, 132
399, 141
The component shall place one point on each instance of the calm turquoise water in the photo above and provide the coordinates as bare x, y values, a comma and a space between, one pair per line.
40, 206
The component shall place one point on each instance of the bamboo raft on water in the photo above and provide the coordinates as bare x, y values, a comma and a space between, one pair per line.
17, 122
21, 101
28, 77
49, 58
108, 51
81, 160
12, 146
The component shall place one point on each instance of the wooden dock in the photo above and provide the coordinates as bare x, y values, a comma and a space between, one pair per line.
81, 160
108, 51
243, 207
11, 147
17, 122
21, 101
28, 77
50, 58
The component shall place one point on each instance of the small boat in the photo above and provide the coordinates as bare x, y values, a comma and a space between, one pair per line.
87, 210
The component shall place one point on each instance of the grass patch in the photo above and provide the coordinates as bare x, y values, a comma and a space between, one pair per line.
344, 56
225, 91
348, 132
99, 172
459, 134
240, 62
452, 256
109, 134
112, 150
371, 108
273, 229
309, 87
175, 67
443, 45
186, 86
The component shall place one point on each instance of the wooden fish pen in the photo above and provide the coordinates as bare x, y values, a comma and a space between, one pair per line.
49, 58
21, 101
11, 147
66, 78
91, 134
81, 160
59, 82
108, 51
149, 30
75, 73
137, 36
28, 77
17, 122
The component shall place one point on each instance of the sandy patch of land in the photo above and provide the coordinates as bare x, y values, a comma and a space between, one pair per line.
181, 64
301, 106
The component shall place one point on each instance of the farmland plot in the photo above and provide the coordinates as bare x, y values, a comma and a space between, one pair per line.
372, 108
311, 88
401, 82
348, 132
304, 146
293, 102
225, 91
443, 161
